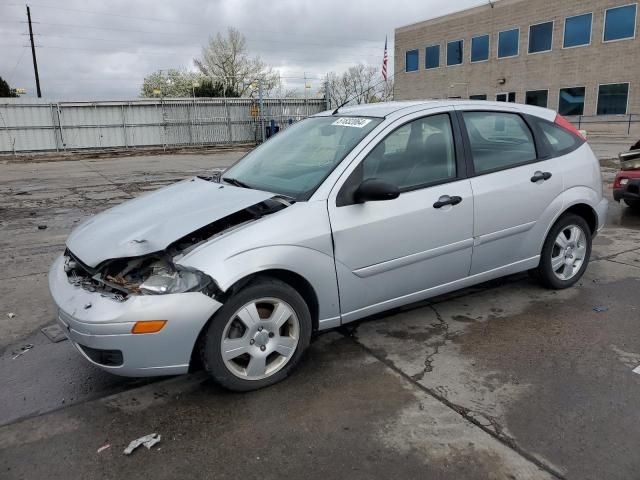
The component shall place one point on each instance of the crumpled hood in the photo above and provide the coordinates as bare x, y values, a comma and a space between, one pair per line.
152, 222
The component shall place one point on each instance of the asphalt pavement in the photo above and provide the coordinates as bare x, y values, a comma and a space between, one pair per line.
502, 380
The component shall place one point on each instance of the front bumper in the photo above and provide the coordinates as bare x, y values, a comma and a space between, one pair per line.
101, 324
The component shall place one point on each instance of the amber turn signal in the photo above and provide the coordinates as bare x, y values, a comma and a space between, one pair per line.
148, 326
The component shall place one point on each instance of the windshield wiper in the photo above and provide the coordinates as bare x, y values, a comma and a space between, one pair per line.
236, 182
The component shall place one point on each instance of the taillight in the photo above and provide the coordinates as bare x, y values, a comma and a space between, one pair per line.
568, 126
620, 182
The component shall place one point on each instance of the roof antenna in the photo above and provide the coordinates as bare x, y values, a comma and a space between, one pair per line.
335, 112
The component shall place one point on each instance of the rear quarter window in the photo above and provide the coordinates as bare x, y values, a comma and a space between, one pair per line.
559, 140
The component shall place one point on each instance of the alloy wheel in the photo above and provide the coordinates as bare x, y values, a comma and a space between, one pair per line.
568, 252
260, 338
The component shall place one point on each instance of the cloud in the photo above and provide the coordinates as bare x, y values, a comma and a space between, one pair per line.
105, 55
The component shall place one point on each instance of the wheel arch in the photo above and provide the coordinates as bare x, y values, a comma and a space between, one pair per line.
293, 279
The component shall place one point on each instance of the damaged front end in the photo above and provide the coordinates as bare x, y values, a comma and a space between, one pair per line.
159, 273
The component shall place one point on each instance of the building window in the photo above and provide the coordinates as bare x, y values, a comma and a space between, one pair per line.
412, 62
612, 99
540, 37
477, 97
506, 97
432, 57
509, 43
577, 30
480, 48
539, 98
455, 52
620, 23
571, 101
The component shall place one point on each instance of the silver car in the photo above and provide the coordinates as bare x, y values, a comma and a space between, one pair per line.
341, 216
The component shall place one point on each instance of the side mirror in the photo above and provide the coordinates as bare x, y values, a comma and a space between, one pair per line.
373, 189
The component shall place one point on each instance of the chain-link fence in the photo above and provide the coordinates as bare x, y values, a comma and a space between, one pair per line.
32, 126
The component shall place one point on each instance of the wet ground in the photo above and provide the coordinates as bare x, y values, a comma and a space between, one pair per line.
503, 380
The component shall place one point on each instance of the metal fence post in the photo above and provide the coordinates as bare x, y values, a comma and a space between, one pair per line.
261, 97
53, 125
228, 113
64, 145
124, 126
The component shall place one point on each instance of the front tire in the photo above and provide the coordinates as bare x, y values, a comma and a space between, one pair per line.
258, 336
565, 253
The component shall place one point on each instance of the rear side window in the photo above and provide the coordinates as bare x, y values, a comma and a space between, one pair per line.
498, 140
560, 141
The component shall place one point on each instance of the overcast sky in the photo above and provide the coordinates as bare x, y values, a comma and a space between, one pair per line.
90, 49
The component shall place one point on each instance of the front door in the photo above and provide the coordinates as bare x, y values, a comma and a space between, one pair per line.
392, 252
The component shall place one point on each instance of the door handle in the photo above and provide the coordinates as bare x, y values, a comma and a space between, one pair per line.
540, 176
447, 200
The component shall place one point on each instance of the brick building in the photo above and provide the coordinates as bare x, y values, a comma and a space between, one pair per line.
581, 57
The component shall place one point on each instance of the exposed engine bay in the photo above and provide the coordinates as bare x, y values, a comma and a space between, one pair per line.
157, 273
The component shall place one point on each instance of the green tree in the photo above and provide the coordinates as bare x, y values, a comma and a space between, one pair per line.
210, 89
5, 90
170, 83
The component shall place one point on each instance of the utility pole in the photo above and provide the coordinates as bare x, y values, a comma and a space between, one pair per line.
33, 53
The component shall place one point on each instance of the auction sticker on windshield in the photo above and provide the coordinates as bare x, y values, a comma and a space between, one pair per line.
352, 122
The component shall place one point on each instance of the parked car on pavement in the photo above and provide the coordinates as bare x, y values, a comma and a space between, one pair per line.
626, 186
341, 216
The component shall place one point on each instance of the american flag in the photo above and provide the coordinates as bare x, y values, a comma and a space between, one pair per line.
385, 59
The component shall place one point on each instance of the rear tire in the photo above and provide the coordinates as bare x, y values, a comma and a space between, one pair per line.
565, 253
633, 204
257, 337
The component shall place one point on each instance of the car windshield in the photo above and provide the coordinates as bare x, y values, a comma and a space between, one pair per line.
296, 161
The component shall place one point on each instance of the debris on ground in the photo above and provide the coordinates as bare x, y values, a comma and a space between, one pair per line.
600, 308
24, 349
42, 227
148, 441
54, 333
11, 315
103, 448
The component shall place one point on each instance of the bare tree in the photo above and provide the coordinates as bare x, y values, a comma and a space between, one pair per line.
359, 84
225, 60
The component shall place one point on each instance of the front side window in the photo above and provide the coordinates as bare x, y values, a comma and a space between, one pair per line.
455, 52
412, 61
620, 23
577, 30
612, 99
296, 161
509, 43
540, 37
480, 48
432, 57
571, 101
419, 153
498, 140
539, 98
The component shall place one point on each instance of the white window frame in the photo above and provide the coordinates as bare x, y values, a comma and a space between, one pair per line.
536, 90
439, 56
446, 53
626, 108
506, 94
564, 31
498, 43
553, 27
635, 24
488, 35
405, 60
584, 102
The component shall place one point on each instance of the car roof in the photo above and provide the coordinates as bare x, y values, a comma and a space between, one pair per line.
393, 109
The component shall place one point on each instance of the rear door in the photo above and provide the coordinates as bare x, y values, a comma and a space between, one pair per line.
516, 189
